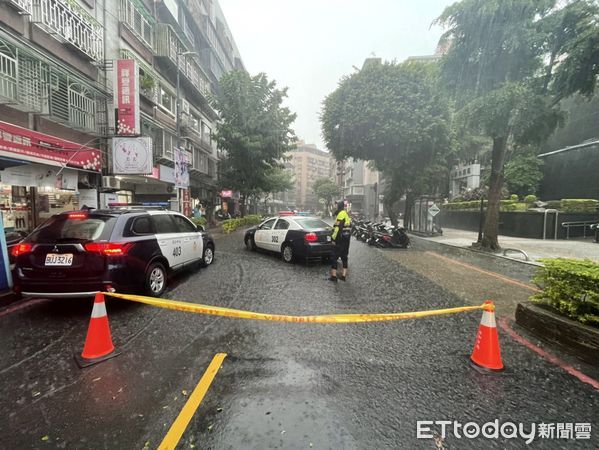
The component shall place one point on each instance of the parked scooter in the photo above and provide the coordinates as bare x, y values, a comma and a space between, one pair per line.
395, 238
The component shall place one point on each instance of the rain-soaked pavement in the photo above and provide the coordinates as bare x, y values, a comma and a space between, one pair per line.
282, 385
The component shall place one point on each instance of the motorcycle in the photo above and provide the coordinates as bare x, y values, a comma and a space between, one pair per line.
396, 237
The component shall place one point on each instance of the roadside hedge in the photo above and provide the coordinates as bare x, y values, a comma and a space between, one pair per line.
199, 221
231, 225
474, 205
581, 205
570, 287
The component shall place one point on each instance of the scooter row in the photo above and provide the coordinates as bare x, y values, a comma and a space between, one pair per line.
380, 235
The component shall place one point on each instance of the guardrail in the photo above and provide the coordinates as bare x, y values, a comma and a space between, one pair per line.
583, 224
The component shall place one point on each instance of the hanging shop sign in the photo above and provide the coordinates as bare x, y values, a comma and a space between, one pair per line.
132, 156
126, 97
182, 161
45, 149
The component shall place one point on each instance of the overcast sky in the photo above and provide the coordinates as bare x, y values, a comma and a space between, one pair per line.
308, 45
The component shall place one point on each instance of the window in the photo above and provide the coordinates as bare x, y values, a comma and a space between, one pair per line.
282, 225
63, 229
164, 224
167, 100
142, 225
184, 225
312, 224
268, 224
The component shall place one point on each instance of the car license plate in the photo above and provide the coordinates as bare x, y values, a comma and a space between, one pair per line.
59, 259
328, 238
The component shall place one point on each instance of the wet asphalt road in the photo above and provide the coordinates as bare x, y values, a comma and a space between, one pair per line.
282, 385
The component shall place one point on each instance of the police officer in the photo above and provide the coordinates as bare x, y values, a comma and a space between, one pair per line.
341, 237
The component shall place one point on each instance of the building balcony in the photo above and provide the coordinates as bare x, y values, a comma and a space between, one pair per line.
168, 45
23, 6
31, 85
72, 25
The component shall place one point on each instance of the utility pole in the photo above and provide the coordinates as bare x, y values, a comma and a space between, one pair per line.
178, 116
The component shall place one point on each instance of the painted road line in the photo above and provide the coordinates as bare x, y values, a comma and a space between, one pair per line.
178, 427
486, 272
505, 326
23, 305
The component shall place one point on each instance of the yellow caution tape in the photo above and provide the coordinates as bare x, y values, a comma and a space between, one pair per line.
329, 318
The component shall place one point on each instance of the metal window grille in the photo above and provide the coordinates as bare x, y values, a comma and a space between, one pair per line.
71, 24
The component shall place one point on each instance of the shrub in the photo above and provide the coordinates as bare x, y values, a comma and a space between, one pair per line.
554, 204
581, 205
530, 199
231, 225
571, 287
514, 197
199, 221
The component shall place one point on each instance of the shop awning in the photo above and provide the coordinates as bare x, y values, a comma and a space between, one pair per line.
22, 144
10, 162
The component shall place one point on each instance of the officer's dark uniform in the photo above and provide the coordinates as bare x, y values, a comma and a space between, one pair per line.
341, 236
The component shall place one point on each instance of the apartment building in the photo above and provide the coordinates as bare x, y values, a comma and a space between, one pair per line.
60, 67
362, 188
308, 163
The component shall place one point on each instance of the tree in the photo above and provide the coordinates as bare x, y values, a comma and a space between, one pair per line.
523, 174
394, 115
276, 180
509, 64
254, 131
326, 189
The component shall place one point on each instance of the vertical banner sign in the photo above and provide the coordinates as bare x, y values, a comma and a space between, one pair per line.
126, 93
186, 197
182, 160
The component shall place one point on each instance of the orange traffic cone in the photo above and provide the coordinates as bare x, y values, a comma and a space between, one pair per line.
486, 354
98, 343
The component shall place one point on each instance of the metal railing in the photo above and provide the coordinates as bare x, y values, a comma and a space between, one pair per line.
72, 24
584, 224
131, 15
550, 211
8, 79
25, 6
168, 44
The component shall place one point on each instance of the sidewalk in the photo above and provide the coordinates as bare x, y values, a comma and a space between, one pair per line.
535, 248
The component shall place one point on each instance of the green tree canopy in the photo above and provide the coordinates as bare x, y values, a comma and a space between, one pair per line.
326, 189
254, 131
394, 115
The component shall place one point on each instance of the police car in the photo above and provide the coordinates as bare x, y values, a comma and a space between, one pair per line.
79, 253
293, 236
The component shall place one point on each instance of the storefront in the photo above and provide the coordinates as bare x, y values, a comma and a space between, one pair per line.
41, 175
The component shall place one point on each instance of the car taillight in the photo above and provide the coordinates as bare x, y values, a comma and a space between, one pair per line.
310, 237
21, 249
77, 215
108, 248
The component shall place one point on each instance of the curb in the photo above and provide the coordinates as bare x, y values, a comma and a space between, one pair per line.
520, 270
574, 337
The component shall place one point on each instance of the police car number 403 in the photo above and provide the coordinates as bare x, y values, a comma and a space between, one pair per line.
77, 254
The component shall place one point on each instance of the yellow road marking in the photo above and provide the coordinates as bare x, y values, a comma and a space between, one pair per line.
485, 272
178, 427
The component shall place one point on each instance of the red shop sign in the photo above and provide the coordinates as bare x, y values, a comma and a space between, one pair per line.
46, 149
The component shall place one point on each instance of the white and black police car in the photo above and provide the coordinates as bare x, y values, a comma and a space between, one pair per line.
127, 250
292, 235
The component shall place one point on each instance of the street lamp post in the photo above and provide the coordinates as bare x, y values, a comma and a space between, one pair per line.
178, 115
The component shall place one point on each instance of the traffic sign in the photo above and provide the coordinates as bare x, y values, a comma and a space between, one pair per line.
434, 210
